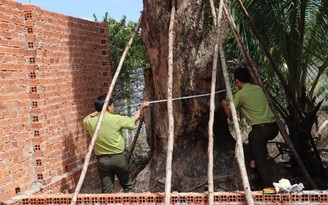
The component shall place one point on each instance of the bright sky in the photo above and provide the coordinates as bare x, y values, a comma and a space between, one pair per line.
86, 8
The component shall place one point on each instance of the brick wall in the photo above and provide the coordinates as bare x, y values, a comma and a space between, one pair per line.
52, 67
226, 198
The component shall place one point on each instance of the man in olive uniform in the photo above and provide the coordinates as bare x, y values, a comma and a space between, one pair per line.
109, 145
251, 101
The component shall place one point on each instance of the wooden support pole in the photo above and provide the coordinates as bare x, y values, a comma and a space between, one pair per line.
212, 101
213, 13
167, 197
94, 137
133, 144
239, 144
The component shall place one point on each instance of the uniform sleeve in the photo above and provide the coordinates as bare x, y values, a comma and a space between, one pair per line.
126, 122
87, 123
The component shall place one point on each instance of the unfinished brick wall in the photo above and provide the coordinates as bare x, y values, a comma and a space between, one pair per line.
52, 67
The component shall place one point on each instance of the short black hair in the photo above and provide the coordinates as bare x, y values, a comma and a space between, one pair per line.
99, 103
242, 74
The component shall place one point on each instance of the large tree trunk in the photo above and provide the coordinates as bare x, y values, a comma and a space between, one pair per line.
194, 41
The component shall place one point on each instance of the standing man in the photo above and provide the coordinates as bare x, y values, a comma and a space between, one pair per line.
110, 145
251, 101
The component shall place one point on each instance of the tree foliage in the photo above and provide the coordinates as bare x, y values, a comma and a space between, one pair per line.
130, 82
295, 31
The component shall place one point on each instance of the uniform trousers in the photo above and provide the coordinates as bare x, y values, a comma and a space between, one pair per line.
258, 139
112, 165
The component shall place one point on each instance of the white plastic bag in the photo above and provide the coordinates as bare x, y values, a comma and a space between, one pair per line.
285, 186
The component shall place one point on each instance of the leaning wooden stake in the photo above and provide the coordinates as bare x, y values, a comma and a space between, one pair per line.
212, 103
167, 199
94, 137
258, 80
239, 146
133, 144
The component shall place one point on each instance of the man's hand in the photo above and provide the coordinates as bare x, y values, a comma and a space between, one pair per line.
225, 107
138, 113
144, 104
223, 103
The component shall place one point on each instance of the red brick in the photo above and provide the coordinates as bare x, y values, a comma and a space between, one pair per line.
31, 52
4, 25
29, 23
5, 17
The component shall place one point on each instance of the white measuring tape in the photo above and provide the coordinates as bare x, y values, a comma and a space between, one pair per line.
180, 98
186, 97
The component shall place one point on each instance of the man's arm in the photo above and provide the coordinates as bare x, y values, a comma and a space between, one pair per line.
226, 108
138, 113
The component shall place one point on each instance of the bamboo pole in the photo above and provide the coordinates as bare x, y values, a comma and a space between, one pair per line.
135, 139
167, 198
94, 137
212, 103
239, 143
258, 80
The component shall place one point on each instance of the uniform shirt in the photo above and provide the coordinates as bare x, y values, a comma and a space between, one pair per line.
110, 137
253, 105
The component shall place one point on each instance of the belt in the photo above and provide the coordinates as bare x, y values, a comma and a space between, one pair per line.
263, 125
107, 155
